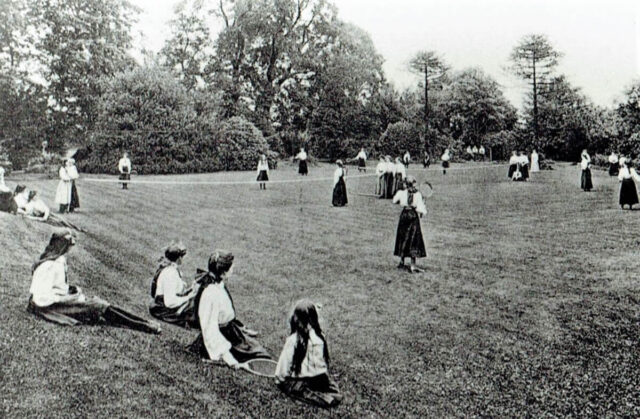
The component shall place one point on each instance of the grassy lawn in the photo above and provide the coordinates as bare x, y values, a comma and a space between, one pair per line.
528, 305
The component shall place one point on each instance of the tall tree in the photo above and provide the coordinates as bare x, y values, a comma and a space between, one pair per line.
429, 65
534, 59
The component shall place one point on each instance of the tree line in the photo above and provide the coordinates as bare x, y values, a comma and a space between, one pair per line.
278, 75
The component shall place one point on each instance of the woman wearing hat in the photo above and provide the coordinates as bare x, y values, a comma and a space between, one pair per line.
585, 180
409, 241
53, 299
339, 186
222, 336
74, 201
173, 301
63, 193
628, 191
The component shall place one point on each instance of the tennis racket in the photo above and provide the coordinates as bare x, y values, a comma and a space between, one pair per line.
262, 367
427, 189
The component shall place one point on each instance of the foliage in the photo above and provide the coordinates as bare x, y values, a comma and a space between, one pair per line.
398, 138
240, 144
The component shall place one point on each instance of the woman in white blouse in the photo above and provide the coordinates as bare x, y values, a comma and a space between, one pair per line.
585, 178
409, 240
124, 167
303, 169
389, 174
362, 160
74, 200
613, 164
400, 176
53, 299
63, 193
445, 160
628, 191
513, 164
222, 337
380, 170
263, 172
339, 197
173, 301
303, 367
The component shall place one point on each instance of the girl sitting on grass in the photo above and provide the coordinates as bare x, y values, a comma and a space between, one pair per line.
302, 370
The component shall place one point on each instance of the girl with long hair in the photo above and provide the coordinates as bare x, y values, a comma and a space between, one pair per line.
303, 367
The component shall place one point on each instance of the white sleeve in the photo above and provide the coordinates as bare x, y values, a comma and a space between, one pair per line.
635, 175
286, 359
170, 285
397, 198
419, 203
208, 312
63, 174
336, 177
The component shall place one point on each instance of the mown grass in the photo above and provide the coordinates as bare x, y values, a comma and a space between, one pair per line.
528, 305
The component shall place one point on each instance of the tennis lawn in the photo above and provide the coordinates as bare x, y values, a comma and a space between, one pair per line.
529, 303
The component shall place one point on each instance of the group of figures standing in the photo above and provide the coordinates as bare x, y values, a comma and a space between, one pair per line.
519, 165
623, 168
67, 197
476, 153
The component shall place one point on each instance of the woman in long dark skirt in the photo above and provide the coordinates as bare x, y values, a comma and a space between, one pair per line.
628, 191
409, 240
303, 169
389, 178
614, 167
585, 181
513, 164
339, 198
74, 203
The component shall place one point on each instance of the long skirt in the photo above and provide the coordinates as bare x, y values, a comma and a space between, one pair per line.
409, 241
243, 347
380, 186
72, 313
398, 184
63, 193
512, 170
302, 167
628, 192
340, 194
319, 391
614, 169
183, 315
263, 176
525, 171
445, 164
388, 185
535, 166
585, 181
75, 200
362, 163
7, 203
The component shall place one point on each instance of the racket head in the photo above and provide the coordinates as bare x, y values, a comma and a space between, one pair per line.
426, 189
262, 367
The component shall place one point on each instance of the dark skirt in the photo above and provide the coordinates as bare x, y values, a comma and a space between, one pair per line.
7, 203
263, 176
445, 164
614, 169
302, 167
75, 200
409, 241
183, 316
398, 184
362, 163
340, 194
125, 176
319, 391
243, 347
525, 171
585, 181
426, 163
388, 186
512, 170
628, 192
72, 313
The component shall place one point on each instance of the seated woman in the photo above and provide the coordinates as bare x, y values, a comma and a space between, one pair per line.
21, 197
35, 208
302, 370
53, 299
222, 337
173, 301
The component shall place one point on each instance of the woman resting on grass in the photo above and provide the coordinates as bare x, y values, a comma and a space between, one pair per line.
53, 299
302, 370
173, 301
222, 337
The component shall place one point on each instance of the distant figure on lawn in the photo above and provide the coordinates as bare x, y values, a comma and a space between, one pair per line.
513, 164
400, 176
585, 178
535, 161
628, 191
173, 301
614, 167
74, 202
481, 152
409, 240
380, 171
339, 198
445, 160
524, 165
389, 181
222, 337
426, 161
53, 299
263, 172
7, 203
124, 167
63, 192
406, 159
303, 169
3, 187
362, 160
303, 367
474, 151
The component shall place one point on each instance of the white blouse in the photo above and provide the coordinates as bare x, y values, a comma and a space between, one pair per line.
361, 155
626, 173
381, 168
513, 160
73, 172
390, 167
402, 198
37, 208
339, 172
524, 159
49, 284
215, 309
445, 157
21, 200
170, 285
313, 363
263, 165
124, 165
301, 155
613, 158
400, 169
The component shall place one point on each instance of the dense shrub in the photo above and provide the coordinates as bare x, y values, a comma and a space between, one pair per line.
240, 144
398, 138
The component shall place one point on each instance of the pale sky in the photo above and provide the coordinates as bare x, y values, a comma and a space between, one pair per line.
600, 39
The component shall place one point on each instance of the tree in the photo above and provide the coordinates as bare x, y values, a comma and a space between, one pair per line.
533, 60
433, 68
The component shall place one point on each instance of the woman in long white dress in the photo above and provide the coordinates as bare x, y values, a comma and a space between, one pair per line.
535, 161
63, 192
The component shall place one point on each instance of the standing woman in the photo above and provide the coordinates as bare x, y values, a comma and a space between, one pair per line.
513, 164
362, 160
426, 161
613, 164
409, 240
74, 202
406, 159
389, 173
535, 161
380, 170
628, 191
222, 336
524, 165
445, 161
585, 180
124, 166
400, 176
63, 193
339, 198
7, 203
303, 169
53, 299
263, 172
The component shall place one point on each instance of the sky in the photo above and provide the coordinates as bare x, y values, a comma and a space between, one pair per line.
600, 39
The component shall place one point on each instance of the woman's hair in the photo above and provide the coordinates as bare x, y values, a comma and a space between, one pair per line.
174, 252
59, 244
219, 263
303, 318
32, 194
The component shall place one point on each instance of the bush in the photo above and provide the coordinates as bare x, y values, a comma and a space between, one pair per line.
240, 144
398, 138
